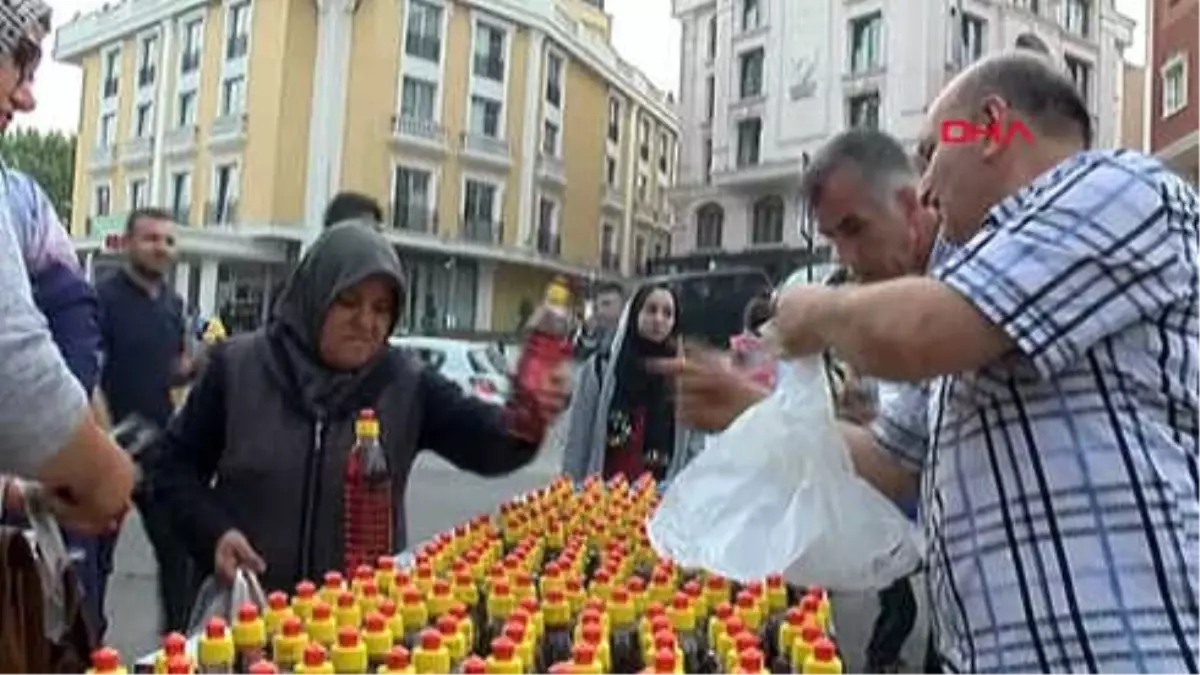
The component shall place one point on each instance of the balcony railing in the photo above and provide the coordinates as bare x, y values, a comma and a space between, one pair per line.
136, 149
220, 213
229, 128
552, 167
549, 242
180, 139
609, 260
491, 67
412, 126
612, 196
237, 46
486, 145
110, 87
189, 62
146, 76
419, 219
102, 155
482, 231
428, 47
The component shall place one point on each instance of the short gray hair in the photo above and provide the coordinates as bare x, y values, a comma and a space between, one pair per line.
878, 157
1033, 86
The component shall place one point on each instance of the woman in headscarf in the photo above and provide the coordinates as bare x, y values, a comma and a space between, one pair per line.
253, 467
622, 418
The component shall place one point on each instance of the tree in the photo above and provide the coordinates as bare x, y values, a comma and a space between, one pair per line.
47, 157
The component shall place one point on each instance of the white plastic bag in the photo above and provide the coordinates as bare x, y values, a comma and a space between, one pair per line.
776, 492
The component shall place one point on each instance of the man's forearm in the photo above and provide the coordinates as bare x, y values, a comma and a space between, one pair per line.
886, 475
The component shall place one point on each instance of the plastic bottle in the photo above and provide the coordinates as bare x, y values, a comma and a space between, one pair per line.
173, 644
547, 348
645, 632
716, 590
315, 661
734, 626
824, 659
369, 597
321, 628
475, 665
661, 590
583, 658
349, 654
416, 616
555, 644
430, 655
287, 648
503, 659
249, 637
393, 618
347, 612
683, 620
531, 606
518, 632
789, 630
304, 599
666, 662
453, 639
385, 574
377, 638
106, 661
665, 640
500, 604
626, 656
593, 634
441, 598
277, 610
750, 662
398, 663
333, 585
716, 629
367, 504
745, 641
802, 646
362, 574
215, 652
179, 665
262, 667
575, 594
466, 625
424, 579
822, 605
637, 593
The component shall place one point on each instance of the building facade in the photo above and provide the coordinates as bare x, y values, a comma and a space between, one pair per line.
766, 82
506, 139
1172, 114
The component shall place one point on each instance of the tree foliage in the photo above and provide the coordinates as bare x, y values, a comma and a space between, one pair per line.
49, 157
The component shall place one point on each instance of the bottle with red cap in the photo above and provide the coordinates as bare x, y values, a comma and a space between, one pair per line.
316, 661
378, 639
744, 641
367, 505
249, 637
398, 662
547, 348
304, 599
626, 655
500, 603
262, 667
215, 652
430, 655
750, 662
473, 665
504, 660
583, 659
666, 662
287, 647
349, 654
179, 665
555, 645
452, 639
106, 661
173, 644
776, 601
277, 610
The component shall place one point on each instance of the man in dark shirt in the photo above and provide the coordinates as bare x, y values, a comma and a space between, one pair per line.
351, 206
143, 332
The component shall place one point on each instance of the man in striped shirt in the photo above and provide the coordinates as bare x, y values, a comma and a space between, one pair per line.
1059, 481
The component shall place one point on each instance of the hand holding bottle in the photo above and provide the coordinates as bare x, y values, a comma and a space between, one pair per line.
234, 551
542, 383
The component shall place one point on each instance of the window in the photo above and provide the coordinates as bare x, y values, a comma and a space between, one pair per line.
112, 72
610, 170
710, 220
710, 98
411, 200
1081, 73
233, 95
147, 60
187, 108
639, 252
1174, 85
712, 37
752, 73
644, 138
614, 120
973, 36
1077, 16
664, 152
417, 99
489, 52
193, 38
609, 259
707, 158
768, 221
485, 117
751, 14
224, 194
479, 203
749, 134
550, 139
863, 110
237, 40
137, 193
143, 119
181, 195
643, 188
1030, 5
547, 232
108, 128
866, 43
103, 203
424, 34
554, 74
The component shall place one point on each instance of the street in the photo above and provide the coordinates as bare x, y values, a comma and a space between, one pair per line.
439, 497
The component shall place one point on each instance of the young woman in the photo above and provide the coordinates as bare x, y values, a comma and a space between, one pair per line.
622, 416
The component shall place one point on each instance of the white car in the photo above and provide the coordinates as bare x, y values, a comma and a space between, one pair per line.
479, 368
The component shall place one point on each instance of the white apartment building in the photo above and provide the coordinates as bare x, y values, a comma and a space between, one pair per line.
765, 82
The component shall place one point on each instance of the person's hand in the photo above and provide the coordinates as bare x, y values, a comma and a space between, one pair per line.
234, 551
709, 393
799, 315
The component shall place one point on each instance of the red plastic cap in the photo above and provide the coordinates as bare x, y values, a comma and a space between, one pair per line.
716, 582
755, 588
347, 636
424, 571
314, 654
364, 572
263, 667
397, 658
795, 616
514, 631
655, 609
277, 601
386, 563
584, 653
503, 648
620, 595
179, 664
501, 588
746, 640
366, 414
692, 588
247, 612
602, 576
724, 611
574, 584
174, 643
661, 577
370, 588
681, 601
734, 625
751, 660
635, 584
519, 615
441, 587
529, 604
401, 579
292, 626
592, 633
431, 639
824, 649
459, 610
387, 607
555, 595
810, 604
660, 622
106, 658
664, 639
774, 581
345, 599
552, 570
375, 622
333, 579
463, 578
474, 665
322, 611
447, 624
305, 589
524, 579
215, 628
412, 595
664, 661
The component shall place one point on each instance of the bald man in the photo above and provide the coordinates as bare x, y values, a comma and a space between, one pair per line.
1059, 478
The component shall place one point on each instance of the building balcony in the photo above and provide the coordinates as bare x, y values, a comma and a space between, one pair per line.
103, 157
486, 149
419, 133
180, 141
613, 199
759, 175
552, 169
228, 131
220, 213
481, 231
137, 150
415, 219
548, 242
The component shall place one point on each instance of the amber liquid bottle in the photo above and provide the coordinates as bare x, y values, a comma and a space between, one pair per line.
547, 348
367, 505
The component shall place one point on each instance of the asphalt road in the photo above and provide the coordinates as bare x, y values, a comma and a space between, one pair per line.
439, 497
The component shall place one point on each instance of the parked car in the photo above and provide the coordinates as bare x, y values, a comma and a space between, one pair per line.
479, 368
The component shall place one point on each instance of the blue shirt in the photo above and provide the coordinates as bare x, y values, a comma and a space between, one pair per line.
143, 337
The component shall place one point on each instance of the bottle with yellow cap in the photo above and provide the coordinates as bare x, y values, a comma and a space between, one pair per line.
249, 637
277, 610
179, 665
347, 612
349, 654
106, 661
287, 647
430, 655
802, 645
303, 600
378, 639
824, 659
503, 659
173, 644
215, 652
452, 638
750, 662
416, 615
321, 628
316, 661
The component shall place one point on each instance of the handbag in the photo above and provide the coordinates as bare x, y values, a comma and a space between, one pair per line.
43, 627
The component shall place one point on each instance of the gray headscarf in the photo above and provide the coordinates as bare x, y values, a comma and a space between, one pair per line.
341, 257
18, 18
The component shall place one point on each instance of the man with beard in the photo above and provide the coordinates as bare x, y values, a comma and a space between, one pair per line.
143, 331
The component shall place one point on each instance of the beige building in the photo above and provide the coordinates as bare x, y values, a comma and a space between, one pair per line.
1133, 110
506, 139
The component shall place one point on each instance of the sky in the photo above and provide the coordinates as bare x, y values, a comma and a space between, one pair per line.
643, 32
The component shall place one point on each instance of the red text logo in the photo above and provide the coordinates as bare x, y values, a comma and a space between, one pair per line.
966, 131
